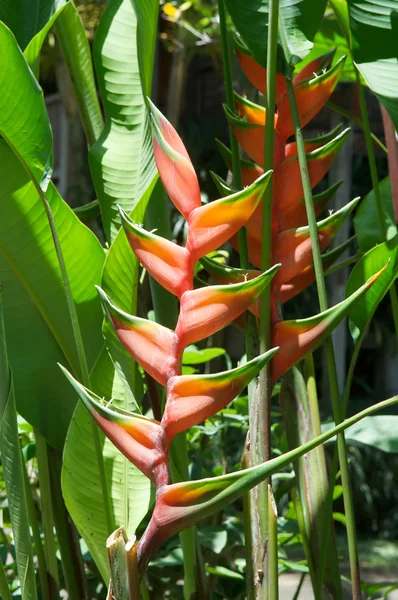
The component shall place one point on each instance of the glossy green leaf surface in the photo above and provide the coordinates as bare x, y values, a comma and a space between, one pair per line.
121, 161
366, 220
76, 51
300, 18
130, 490
374, 31
36, 313
24, 122
124, 173
11, 460
33, 49
383, 255
329, 37
26, 18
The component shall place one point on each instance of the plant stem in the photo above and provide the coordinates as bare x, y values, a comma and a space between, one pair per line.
249, 320
260, 436
376, 189
33, 522
47, 514
4, 589
273, 589
71, 558
330, 357
392, 145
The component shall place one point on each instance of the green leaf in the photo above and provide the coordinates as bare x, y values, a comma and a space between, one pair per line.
33, 49
374, 31
379, 431
76, 51
124, 172
11, 459
213, 537
328, 38
130, 490
36, 313
300, 18
384, 255
193, 356
26, 18
223, 572
366, 220
22, 110
147, 16
121, 161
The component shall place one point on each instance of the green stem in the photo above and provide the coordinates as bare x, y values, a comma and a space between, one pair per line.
273, 588
376, 189
249, 320
345, 113
260, 436
47, 514
330, 357
304, 537
34, 524
4, 589
71, 559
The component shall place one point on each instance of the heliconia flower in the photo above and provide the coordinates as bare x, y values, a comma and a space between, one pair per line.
153, 346
313, 143
288, 203
292, 248
213, 224
297, 284
296, 216
193, 398
311, 90
208, 309
250, 137
311, 96
168, 263
297, 338
175, 168
140, 439
256, 74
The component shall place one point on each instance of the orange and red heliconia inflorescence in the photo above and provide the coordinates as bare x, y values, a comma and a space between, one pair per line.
190, 399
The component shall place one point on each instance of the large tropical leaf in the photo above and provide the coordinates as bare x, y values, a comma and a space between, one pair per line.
24, 122
129, 489
328, 38
121, 161
383, 255
37, 317
33, 49
374, 31
367, 223
76, 51
125, 147
11, 459
36, 313
26, 18
300, 19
